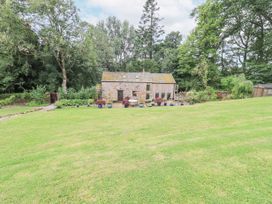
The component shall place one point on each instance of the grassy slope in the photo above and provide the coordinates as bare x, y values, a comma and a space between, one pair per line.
14, 109
212, 153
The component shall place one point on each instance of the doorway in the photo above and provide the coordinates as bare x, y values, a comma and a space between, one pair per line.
120, 95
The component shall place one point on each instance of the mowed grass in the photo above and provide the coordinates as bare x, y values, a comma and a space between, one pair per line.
219, 152
4, 111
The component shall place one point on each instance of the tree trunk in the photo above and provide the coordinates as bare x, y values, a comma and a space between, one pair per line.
64, 74
64, 80
61, 62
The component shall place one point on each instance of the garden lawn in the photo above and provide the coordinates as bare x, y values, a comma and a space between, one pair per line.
219, 152
14, 110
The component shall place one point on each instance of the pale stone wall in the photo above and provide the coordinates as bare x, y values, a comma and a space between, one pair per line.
110, 90
163, 88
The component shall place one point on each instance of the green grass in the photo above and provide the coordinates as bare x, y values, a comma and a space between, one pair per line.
14, 109
219, 152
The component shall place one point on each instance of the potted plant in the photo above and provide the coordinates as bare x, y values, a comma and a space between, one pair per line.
148, 102
141, 102
172, 103
164, 102
126, 102
100, 103
158, 101
109, 101
109, 104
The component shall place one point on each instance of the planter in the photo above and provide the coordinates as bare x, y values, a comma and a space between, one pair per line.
165, 103
100, 103
141, 105
109, 105
159, 101
126, 102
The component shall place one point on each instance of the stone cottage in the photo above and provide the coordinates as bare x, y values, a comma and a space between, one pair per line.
137, 85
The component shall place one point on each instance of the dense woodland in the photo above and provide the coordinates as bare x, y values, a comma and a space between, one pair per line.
45, 43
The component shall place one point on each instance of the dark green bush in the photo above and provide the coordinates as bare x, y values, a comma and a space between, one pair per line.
73, 102
238, 86
19, 97
7, 101
201, 96
83, 93
37, 95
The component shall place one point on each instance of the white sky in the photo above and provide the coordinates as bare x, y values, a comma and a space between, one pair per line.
176, 13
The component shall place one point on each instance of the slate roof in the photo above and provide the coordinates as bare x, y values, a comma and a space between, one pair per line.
160, 78
265, 86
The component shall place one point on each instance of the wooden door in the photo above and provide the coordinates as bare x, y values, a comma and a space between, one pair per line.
120, 94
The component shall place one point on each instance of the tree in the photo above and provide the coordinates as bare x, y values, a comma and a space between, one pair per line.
167, 52
150, 30
119, 40
18, 51
58, 21
85, 72
201, 49
233, 37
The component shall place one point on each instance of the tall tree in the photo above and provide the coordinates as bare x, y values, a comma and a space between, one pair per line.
18, 49
150, 30
120, 37
167, 52
59, 24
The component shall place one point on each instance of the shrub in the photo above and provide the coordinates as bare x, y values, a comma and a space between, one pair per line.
238, 86
19, 97
7, 101
81, 94
73, 102
242, 90
208, 94
38, 95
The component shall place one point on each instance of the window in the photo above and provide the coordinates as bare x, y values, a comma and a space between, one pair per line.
134, 93
157, 95
147, 96
148, 87
163, 95
168, 96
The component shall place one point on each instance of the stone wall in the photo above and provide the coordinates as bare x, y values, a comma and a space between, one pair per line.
110, 90
163, 88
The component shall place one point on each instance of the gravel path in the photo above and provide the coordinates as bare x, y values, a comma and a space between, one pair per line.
46, 108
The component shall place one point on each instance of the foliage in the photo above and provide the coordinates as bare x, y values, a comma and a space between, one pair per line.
150, 30
59, 24
100, 102
19, 64
38, 95
73, 102
115, 43
238, 86
209, 94
233, 37
44, 42
7, 101
83, 93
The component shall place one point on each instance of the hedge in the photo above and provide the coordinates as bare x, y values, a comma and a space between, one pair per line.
74, 102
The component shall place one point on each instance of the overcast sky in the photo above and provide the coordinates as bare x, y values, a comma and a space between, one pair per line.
176, 13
